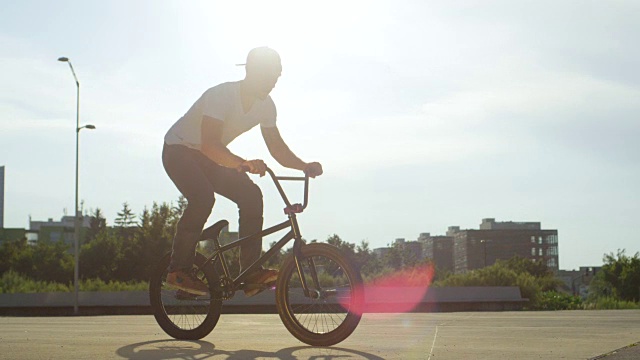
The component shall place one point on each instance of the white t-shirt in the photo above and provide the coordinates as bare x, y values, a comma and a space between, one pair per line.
221, 102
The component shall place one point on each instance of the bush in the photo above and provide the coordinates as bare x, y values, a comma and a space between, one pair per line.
100, 285
13, 283
551, 300
421, 276
497, 275
532, 278
622, 273
45, 261
610, 303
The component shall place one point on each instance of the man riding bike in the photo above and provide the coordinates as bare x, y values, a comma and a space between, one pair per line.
196, 158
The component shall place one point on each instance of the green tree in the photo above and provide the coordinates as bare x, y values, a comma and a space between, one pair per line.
544, 276
366, 261
100, 258
46, 261
131, 251
126, 218
622, 272
344, 246
393, 258
153, 238
52, 261
177, 211
497, 275
126, 223
16, 255
97, 223
535, 268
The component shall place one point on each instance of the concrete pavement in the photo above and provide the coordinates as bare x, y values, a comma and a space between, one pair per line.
474, 335
631, 352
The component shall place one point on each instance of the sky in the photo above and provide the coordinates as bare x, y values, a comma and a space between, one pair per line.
424, 114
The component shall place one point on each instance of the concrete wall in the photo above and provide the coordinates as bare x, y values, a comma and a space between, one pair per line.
380, 299
1, 197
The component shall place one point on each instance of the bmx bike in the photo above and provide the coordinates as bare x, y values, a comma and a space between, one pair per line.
318, 293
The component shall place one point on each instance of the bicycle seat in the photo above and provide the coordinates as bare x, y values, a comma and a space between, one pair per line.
213, 231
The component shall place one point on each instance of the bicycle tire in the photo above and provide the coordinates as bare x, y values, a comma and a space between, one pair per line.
335, 314
181, 315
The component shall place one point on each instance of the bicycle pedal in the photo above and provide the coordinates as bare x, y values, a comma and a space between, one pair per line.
183, 295
269, 285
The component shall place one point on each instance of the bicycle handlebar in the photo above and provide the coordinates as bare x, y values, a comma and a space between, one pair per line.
295, 208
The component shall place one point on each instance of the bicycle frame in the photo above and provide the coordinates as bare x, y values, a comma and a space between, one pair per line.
294, 233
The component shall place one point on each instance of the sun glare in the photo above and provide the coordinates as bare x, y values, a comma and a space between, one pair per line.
294, 28
399, 292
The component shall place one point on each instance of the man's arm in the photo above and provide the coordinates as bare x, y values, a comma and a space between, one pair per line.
211, 146
284, 156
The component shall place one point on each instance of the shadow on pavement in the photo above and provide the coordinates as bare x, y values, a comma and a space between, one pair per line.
630, 352
199, 350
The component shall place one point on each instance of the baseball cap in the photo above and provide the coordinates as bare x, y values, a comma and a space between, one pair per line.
263, 58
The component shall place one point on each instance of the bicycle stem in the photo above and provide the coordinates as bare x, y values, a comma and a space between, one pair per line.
276, 181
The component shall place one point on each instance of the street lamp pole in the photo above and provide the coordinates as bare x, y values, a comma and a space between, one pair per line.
484, 246
76, 232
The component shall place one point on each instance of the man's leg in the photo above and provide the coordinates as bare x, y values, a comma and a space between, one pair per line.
237, 187
250, 209
184, 169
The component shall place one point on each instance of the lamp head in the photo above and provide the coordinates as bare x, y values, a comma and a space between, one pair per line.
63, 59
92, 127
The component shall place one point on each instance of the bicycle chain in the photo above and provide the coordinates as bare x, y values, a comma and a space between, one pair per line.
226, 288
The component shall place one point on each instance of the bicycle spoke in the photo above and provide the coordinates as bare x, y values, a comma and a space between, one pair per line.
326, 313
185, 311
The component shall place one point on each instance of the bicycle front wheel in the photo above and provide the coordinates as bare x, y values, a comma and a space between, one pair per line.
180, 314
332, 309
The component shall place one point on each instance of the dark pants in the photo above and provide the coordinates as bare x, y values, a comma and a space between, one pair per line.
198, 178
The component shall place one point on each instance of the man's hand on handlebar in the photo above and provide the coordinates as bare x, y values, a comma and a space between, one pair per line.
258, 166
253, 166
313, 169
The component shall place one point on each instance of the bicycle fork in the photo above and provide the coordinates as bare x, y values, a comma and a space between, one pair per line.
297, 255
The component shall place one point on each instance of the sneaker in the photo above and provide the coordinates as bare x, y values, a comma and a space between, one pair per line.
183, 295
259, 281
187, 282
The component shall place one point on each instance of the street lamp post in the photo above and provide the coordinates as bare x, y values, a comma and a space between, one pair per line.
484, 247
76, 232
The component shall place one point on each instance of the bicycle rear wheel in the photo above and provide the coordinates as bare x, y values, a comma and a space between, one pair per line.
334, 308
182, 315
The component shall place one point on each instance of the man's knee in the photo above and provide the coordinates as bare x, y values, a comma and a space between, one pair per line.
251, 200
202, 203
197, 211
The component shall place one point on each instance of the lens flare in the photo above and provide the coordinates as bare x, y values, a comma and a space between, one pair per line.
399, 292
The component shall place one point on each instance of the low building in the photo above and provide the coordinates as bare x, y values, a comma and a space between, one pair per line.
439, 249
474, 249
577, 281
381, 252
55, 231
410, 248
